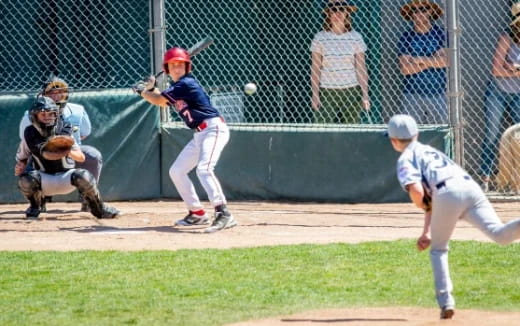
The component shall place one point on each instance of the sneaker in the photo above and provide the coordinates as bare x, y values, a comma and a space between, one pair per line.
32, 213
221, 222
447, 313
110, 212
193, 219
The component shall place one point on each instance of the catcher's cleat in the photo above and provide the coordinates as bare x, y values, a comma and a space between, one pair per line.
109, 212
193, 219
43, 206
32, 213
221, 222
84, 206
447, 313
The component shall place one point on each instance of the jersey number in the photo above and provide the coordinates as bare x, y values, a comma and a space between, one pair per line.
187, 114
440, 161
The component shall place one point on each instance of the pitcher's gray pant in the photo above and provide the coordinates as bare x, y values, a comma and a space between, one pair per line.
461, 199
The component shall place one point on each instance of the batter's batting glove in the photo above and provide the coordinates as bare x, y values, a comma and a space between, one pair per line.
147, 84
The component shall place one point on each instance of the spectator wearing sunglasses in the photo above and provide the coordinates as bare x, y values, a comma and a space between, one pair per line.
339, 75
423, 62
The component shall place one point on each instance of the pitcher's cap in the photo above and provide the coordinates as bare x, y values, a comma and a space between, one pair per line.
402, 126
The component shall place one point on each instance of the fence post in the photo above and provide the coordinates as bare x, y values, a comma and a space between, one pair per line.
158, 45
454, 86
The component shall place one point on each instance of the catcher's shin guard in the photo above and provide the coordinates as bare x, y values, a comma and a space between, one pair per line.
30, 185
87, 187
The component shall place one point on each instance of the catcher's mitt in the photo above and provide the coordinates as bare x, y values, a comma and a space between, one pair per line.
57, 147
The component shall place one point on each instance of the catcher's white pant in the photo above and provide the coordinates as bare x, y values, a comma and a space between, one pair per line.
57, 184
203, 151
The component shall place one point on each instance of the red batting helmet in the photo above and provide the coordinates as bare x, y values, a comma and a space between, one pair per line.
176, 54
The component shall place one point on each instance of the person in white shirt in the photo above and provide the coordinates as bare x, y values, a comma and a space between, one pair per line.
339, 77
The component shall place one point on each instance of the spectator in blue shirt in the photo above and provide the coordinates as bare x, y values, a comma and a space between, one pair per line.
423, 62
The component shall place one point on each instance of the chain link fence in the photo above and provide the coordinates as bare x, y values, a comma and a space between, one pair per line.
383, 57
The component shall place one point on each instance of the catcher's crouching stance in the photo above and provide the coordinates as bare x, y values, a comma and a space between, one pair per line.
54, 152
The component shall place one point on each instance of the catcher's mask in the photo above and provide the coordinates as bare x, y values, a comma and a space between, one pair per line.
43, 104
57, 89
176, 54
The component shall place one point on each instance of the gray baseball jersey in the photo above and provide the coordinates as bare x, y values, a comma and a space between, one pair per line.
424, 164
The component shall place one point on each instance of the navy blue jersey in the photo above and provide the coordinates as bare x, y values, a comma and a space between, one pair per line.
431, 81
190, 101
35, 141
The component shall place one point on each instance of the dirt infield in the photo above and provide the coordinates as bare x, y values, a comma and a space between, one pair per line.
147, 225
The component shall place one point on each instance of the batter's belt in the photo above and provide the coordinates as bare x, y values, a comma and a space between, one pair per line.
208, 122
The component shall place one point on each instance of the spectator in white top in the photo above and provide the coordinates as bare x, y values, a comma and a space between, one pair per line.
339, 77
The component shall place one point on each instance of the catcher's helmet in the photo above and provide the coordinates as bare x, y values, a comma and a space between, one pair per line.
43, 103
57, 84
176, 54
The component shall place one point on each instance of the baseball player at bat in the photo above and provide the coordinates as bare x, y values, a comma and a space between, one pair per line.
210, 136
422, 169
52, 174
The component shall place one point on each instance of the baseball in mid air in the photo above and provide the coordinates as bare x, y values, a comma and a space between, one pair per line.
250, 88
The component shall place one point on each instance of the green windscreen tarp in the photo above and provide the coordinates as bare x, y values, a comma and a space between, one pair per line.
346, 166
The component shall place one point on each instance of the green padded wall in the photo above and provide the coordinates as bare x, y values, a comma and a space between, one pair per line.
350, 167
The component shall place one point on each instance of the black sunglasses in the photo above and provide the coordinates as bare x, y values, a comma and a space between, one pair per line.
337, 9
420, 9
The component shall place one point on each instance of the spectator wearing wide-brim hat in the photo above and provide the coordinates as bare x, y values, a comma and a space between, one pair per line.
339, 77
413, 6
337, 4
423, 62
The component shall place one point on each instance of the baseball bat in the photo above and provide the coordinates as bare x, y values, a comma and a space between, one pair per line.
195, 49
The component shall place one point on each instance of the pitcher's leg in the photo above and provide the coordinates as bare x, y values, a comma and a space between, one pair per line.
484, 217
447, 208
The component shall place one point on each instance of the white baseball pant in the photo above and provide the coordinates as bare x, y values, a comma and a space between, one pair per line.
203, 152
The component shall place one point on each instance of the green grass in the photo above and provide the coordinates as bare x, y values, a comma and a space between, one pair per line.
213, 287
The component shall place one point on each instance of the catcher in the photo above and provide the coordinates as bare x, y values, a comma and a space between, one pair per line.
54, 152
423, 170
58, 90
